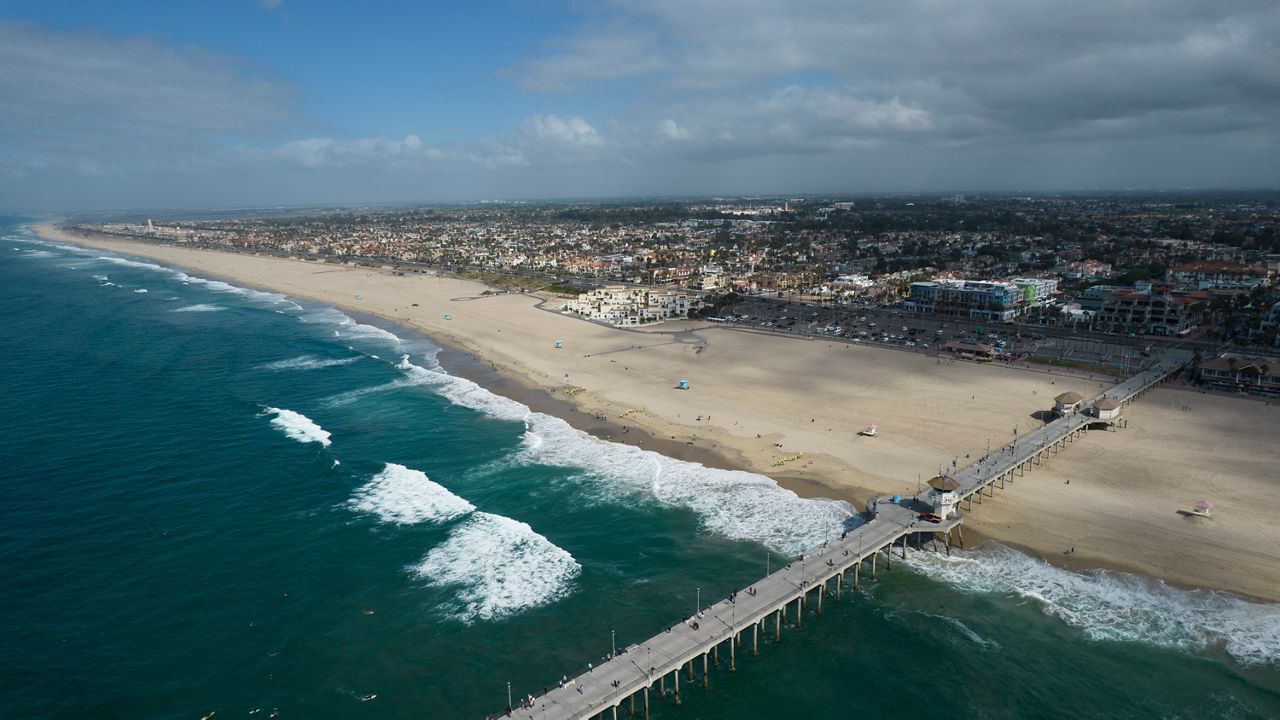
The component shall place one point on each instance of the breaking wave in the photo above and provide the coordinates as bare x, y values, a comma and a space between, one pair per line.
404, 496
1109, 605
308, 362
297, 426
201, 307
735, 504
497, 567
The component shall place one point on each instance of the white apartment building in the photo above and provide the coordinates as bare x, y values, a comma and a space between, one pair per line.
628, 307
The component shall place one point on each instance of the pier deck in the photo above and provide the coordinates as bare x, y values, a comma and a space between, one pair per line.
730, 623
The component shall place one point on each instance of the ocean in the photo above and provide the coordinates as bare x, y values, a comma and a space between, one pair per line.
220, 500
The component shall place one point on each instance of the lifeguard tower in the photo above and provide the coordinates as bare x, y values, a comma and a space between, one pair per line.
944, 493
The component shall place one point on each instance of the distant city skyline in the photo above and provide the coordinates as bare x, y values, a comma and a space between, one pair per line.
277, 102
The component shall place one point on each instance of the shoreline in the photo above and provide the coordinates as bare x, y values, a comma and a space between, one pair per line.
597, 414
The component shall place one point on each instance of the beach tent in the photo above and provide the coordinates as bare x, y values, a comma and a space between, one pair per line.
1205, 508
682, 385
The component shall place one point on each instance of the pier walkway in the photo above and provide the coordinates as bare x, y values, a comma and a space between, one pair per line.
735, 624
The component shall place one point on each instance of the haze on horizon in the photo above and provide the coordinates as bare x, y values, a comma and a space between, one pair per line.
250, 103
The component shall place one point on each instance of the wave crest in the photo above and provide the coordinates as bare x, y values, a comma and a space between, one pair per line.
298, 427
1116, 606
499, 567
404, 496
308, 362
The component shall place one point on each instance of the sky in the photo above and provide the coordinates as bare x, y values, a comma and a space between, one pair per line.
240, 103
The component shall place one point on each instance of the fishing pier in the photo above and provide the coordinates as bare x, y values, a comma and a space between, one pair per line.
681, 655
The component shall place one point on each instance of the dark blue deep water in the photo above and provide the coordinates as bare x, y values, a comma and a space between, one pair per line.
220, 500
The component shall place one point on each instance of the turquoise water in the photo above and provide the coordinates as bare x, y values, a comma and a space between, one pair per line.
224, 500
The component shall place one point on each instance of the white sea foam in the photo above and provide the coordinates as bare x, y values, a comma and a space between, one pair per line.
214, 285
1117, 606
132, 263
101, 278
359, 331
405, 496
141, 291
498, 567
297, 426
324, 316
201, 307
308, 362
739, 505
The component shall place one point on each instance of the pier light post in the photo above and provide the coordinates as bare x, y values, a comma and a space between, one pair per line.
613, 643
698, 602
508, 693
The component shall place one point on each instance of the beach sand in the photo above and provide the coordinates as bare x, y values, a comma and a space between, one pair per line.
755, 399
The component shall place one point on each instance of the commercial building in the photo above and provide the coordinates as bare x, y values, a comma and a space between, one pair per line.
1036, 292
1213, 275
973, 299
1146, 310
1258, 375
628, 307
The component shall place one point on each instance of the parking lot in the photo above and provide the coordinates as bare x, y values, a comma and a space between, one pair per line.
869, 323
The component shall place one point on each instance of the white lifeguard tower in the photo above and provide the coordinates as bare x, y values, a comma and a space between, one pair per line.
944, 493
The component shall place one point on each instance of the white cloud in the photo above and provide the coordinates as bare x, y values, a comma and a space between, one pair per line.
52, 79
591, 54
981, 70
571, 135
671, 130
323, 152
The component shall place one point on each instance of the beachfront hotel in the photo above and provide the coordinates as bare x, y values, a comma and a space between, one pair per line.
629, 307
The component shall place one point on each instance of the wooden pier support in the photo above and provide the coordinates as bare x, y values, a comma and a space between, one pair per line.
873, 566
822, 590
840, 586
706, 678
733, 642
777, 624
799, 610
633, 706
857, 572
646, 702
755, 639
676, 676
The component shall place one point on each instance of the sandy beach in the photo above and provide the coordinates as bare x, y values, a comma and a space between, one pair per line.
757, 399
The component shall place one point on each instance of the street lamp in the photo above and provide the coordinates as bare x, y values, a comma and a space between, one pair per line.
508, 694
613, 643
699, 602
